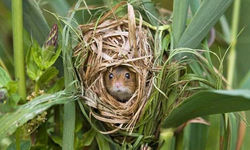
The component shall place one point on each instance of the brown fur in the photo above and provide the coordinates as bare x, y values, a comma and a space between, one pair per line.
119, 76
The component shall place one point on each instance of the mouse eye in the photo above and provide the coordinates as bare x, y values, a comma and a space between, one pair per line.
111, 75
127, 75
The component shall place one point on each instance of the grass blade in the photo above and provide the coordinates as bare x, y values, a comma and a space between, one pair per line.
208, 103
179, 19
204, 19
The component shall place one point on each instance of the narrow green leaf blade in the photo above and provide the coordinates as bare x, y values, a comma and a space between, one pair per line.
179, 19
203, 20
208, 103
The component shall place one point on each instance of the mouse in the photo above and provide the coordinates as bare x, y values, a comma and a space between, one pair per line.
120, 83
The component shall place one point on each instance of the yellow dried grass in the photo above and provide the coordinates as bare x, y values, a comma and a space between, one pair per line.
108, 43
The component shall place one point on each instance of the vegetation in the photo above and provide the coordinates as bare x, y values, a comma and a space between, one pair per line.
197, 78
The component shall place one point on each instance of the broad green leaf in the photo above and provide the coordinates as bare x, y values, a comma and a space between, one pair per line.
8, 103
12, 87
57, 139
12, 120
195, 133
59, 85
47, 75
102, 143
203, 20
208, 103
179, 19
51, 60
88, 137
194, 5
24, 145
33, 71
4, 77
213, 138
150, 11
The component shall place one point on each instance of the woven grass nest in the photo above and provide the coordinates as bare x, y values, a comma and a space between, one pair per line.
107, 43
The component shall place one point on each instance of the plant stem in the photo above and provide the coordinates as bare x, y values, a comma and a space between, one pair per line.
17, 24
36, 89
69, 108
232, 52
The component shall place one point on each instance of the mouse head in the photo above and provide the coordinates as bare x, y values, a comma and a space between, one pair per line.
120, 82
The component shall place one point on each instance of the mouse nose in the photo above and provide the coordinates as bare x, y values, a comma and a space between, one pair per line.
118, 84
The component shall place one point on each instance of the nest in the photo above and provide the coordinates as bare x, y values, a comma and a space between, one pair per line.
110, 42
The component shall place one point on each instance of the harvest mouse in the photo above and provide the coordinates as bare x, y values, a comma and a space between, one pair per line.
120, 83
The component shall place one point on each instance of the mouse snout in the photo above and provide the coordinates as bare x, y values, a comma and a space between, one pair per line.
118, 85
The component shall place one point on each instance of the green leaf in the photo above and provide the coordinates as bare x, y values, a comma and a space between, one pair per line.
59, 85
13, 100
179, 19
24, 145
45, 58
33, 71
195, 133
88, 137
233, 127
48, 74
4, 77
194, 77
49, 61
102, 143
12, 87
213, 138
203, 20
16, 118
150, 11
57, 139
208, 103
194, 5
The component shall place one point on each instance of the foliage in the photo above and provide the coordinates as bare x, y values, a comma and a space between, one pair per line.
196, 109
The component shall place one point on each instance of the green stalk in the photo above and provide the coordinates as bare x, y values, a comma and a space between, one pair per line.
69, 108
17, 24
232, 52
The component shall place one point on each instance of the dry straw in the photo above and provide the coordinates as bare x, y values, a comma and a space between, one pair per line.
109, 42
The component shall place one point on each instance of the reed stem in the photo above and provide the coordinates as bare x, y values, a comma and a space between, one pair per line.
233, 42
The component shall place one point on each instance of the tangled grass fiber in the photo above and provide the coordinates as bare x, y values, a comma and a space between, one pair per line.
109, 43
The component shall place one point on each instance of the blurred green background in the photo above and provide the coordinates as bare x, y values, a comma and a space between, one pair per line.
61, 7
